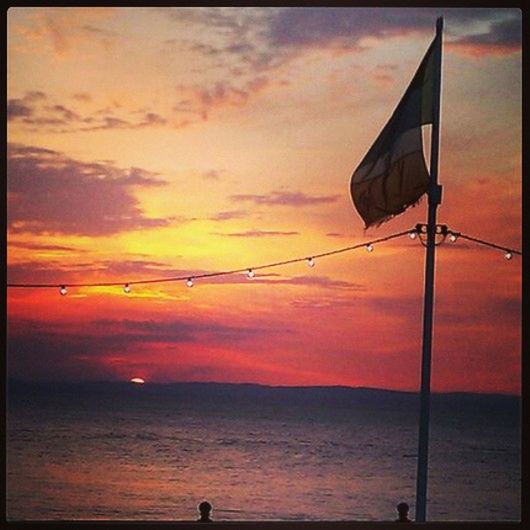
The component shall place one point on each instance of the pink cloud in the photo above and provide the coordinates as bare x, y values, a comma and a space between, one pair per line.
479, 50
202, 100
50, 192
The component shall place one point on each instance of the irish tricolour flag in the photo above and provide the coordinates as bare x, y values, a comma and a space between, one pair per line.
393, 174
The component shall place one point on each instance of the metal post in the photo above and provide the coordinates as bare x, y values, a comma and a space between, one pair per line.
435, 196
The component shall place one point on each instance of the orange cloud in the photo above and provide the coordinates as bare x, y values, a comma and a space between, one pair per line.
65, 30
480, 50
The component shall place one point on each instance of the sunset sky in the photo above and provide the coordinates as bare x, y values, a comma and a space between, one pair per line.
154, 142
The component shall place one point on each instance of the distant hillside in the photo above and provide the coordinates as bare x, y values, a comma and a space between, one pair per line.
338, 398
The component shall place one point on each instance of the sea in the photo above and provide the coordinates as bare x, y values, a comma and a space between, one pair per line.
152, 452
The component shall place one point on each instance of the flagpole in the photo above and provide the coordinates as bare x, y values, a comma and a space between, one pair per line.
435, 198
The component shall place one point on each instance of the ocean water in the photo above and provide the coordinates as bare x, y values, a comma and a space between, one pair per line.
114, 451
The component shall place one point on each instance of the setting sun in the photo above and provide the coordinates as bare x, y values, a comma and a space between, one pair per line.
137, 380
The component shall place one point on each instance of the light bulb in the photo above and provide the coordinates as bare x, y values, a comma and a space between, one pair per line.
413, 234
310, 262
508, 255
250, 274
369, 247
189, 282
453, 238
127, 288
63, 290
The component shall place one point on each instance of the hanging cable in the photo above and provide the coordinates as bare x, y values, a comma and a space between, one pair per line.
419, 231
249, 271
509, 251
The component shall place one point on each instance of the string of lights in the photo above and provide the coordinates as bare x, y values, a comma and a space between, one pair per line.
419, 231
509, 252
443, 232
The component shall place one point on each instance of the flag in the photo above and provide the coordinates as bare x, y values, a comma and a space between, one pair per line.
393, 175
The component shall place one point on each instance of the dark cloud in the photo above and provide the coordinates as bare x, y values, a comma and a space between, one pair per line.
346, 27
308, 27
240, 36
23, 108
284, 198
503, 310
44, 355
503, 37
67, 115
50, 192
254, 40
181, 330
56, 272
35, 110
59, 272
38, 349
16, 108
43, 247
450, 311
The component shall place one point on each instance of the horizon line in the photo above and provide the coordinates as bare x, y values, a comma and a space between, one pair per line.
244, 383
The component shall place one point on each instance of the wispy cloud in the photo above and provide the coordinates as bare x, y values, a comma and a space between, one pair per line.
316, 281
37, 111
248, 48
181, 330
384, 74
43, 247
264, 39
285, 198
228, 215
66, 30
270, 278
212, 174
64, 272
259, 233
347, 28
202, 100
